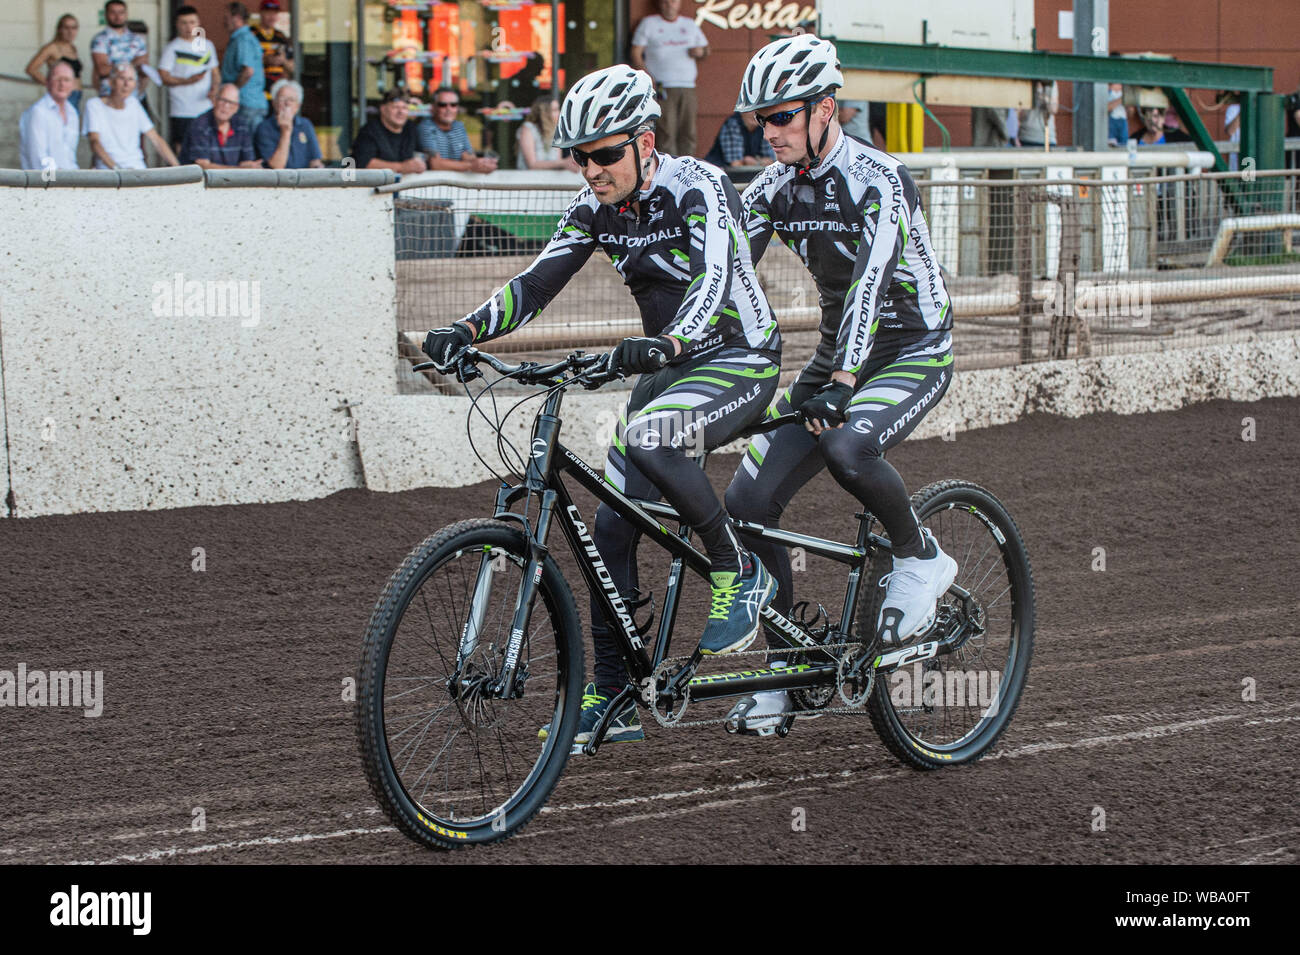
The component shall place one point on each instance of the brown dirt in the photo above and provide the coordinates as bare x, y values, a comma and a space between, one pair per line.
223, 688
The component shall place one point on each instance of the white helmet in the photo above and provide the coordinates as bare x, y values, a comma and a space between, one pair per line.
616, 99
798, 67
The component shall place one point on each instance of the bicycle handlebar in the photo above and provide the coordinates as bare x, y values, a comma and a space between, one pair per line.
465, 365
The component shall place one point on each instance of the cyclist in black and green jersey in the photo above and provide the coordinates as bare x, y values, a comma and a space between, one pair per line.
709, 359
853, 215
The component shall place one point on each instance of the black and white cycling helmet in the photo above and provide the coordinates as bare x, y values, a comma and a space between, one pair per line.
802, 67
616, 99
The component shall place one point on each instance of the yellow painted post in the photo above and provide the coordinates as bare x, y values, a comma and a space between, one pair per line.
904, 128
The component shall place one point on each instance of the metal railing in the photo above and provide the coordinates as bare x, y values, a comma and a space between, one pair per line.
1037, 268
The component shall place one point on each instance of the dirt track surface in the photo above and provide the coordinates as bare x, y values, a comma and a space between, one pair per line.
223, 688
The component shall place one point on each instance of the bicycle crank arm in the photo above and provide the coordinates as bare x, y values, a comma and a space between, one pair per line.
598, 733
743, 682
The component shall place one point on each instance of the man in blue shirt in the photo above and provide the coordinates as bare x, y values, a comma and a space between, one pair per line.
284, 140
242, 65
444, 138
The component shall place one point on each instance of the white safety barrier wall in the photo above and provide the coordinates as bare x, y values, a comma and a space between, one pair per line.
176, 343
410, 441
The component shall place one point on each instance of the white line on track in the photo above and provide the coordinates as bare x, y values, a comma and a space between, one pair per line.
1030, 749
155, 854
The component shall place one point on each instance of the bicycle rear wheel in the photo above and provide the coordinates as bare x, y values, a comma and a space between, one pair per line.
952, 708
450, 763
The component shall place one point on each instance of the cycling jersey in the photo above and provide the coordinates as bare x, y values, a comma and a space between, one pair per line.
857, 224
682, 258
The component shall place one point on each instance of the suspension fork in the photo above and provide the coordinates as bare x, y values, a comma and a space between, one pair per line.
536, 481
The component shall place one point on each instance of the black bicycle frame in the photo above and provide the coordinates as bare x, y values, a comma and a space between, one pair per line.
549, 460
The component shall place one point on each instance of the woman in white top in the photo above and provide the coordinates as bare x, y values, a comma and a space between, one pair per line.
533, 139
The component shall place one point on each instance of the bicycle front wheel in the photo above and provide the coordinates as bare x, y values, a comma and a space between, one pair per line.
951, 708
450, 762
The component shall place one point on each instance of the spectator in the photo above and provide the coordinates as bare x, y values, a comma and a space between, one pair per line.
1117, 121
62, 49
1153, 126
242, 65
389, 140
117, 125
277, 48
284, 140
220, 138
117, 44
189, 69
444, 139
1174, 132
740, 142
1038, 125
855, 117
666, 45
48, 128
988, 127
533, 139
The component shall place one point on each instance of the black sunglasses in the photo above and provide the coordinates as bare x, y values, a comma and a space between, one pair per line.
442, 104
605, 156
785, 117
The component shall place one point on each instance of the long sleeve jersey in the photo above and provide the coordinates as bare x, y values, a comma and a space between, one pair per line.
684, 258
857, 224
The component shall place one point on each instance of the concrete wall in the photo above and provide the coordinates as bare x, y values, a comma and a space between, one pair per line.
411, 441
120, 396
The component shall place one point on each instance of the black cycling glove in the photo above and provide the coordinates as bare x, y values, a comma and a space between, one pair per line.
638, 355
442, 344
830, 405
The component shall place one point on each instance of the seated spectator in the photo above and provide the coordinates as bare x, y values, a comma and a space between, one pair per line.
740, 142
220, 138
389, 140
48, 130
118, 125
533, 139
284, 140
444, 139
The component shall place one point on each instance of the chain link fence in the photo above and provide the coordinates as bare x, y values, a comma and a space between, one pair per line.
1062, 266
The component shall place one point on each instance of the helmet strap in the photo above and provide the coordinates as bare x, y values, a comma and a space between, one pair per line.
814, 155
635, 194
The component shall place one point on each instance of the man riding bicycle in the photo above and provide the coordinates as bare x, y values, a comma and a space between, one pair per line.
853, 215
709, 360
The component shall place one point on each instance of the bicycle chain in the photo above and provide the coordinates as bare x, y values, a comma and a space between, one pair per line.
856, 710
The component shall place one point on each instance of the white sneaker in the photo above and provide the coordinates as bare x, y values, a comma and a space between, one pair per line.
912, 594
760, 714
